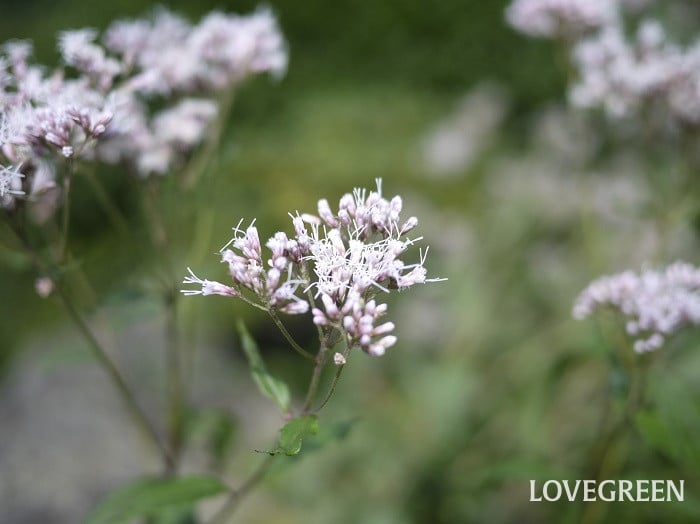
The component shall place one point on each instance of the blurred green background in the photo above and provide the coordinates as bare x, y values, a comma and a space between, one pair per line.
492, 383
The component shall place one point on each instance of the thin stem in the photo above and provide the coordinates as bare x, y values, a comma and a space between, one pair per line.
159, 233
603, 463
137, 414
115, 376
289, 337
316, 376
336, 378
67, 179
199, 164
115, 216
254, 304
231, 505
328, 396
175, 387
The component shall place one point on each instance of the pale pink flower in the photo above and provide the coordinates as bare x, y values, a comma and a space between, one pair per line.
561, 18
353, 255
655, 304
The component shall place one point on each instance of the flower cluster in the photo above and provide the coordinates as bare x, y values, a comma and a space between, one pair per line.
656, 304
342, 259
43, 117
166, 57
272, 287
624, 76
625, 72
559, 18
100, 104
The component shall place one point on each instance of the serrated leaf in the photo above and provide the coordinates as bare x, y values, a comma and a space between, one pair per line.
147, 497
293, 433
270, 386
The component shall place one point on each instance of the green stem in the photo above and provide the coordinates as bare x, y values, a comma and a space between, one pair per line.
102, 356
67, 179
231, 505
137, 414
115, 376
119, 222
158, 231
331, 389
336, 378
288, 336
175, 386
316, 376
605, 463
199, 164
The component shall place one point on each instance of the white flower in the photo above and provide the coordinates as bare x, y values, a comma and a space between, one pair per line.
549, 18
10, 181
80, 51
354, 255
208, 287
275, 287
656, 304
185, 124
365, 214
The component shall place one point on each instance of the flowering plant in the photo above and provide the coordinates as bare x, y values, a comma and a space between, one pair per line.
622, 59
353, 254
145, 97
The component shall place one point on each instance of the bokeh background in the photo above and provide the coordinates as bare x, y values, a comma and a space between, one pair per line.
492, 383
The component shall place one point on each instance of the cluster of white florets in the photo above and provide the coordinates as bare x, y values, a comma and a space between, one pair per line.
625, 72
344, 260
550, 18
625, 76
98, 104
656, 304
356, 253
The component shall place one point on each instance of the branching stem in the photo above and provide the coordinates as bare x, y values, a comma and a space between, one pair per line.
288, 336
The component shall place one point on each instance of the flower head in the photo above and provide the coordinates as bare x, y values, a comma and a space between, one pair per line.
549, 18
344, 261
656, 304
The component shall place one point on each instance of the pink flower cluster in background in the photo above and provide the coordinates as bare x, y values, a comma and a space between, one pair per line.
101, 104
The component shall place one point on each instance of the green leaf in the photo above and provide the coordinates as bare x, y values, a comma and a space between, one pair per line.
178, 515
150, 496
268, 385
293, 433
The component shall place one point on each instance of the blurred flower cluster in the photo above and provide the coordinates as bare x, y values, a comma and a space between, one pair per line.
627, 67
656, 303
559, 18
354, 253
142, 94
628, 64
